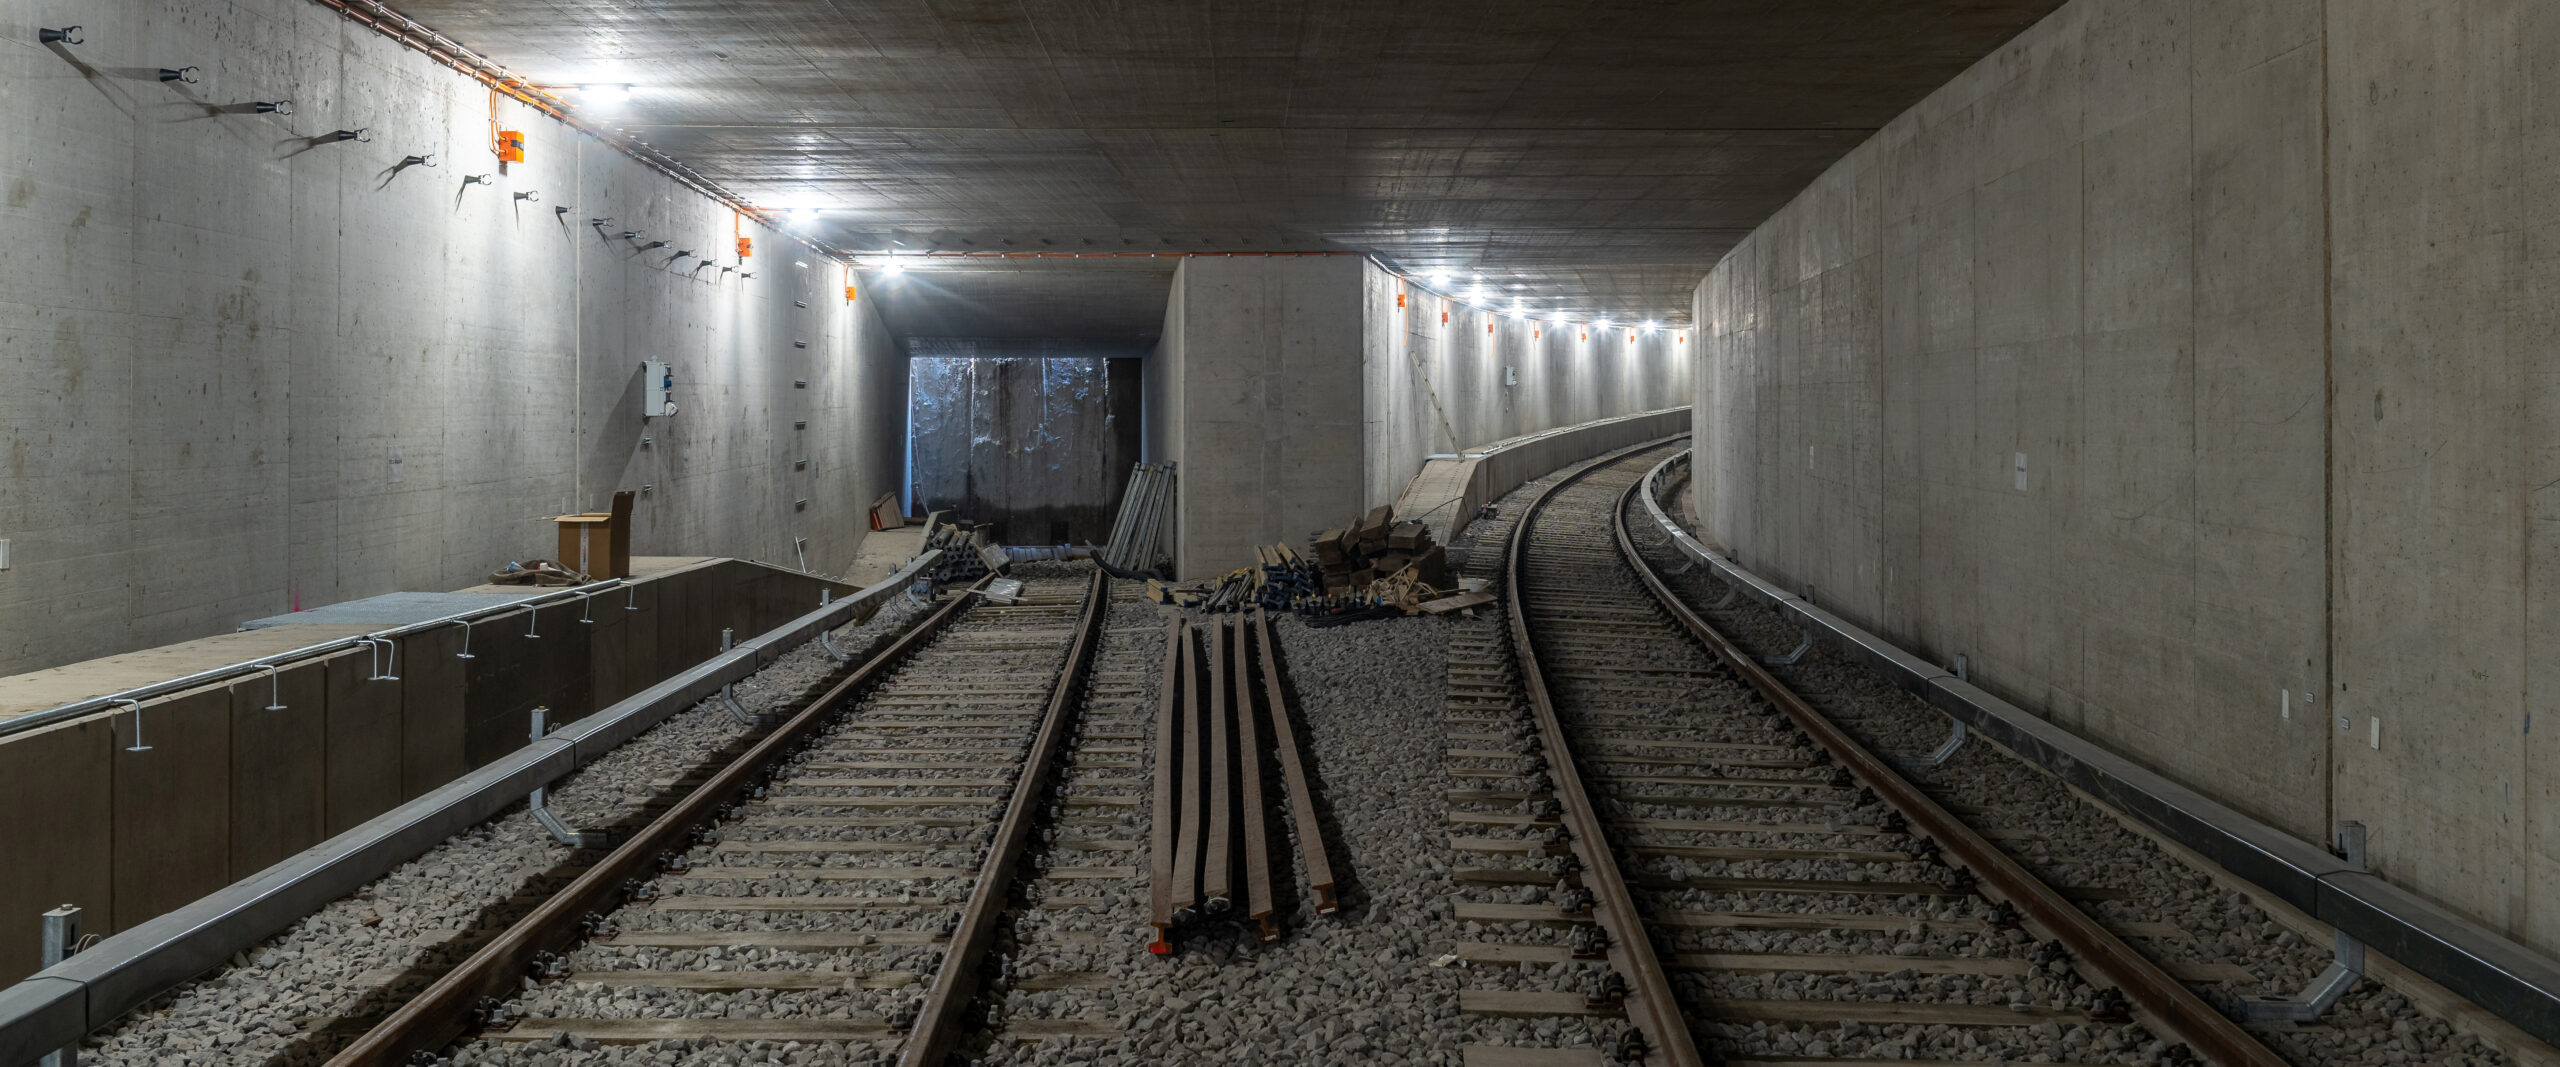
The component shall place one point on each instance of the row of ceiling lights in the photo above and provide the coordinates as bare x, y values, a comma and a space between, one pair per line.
890, 266
615, 92
1440, 281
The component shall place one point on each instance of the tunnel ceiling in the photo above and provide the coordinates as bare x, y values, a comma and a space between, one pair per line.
1117, 302
1587, 158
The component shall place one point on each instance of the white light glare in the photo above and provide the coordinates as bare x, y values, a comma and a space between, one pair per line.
893, 268
1649, 324
606, 94
804, 216
1439, 277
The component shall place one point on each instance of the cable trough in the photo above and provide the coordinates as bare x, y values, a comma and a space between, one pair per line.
1690, 831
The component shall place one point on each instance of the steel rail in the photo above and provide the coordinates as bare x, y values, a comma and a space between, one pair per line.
444, 1010
2157, 1000
955, 982
1302, 803
1650, 1004
1257, 845
1190, 815
1160, 815
1217, 862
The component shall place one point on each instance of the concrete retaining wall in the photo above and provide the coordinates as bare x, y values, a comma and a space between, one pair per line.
230, 784
249, 371
1448, 490
2187, 368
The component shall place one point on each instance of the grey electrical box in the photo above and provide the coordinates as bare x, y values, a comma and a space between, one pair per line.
657, 383
1510, 375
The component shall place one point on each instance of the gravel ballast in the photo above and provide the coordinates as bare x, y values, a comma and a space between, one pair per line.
1355, 987
360, 955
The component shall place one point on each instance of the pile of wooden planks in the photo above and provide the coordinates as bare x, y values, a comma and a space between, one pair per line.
1377, 548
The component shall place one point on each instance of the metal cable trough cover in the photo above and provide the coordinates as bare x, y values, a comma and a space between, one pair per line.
56, 1006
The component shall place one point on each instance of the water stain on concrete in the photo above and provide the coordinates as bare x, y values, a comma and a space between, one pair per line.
67, 351
22, 191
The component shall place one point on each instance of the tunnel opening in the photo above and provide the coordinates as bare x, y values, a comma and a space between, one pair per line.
1038, 446
1025, 393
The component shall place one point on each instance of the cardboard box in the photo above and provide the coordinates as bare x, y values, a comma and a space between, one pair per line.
598, 543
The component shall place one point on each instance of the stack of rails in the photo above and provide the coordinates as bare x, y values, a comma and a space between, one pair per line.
1141, 532
1217, 717
1674, 798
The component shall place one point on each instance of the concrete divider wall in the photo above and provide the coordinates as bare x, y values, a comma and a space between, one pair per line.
1447, 491
2188, 369
229, 784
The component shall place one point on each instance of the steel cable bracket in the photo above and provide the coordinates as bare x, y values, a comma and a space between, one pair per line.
827, 638
1945, 751
2316, 999
1804, 644
729, 690
539, 801
61, 941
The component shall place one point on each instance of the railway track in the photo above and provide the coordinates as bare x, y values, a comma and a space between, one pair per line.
1672, 858
860, 874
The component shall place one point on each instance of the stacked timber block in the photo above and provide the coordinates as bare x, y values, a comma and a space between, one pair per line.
1353, 557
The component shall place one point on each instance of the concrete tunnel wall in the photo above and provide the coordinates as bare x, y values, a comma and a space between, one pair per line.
2189, 369
1433, 387
218, 334
1295, 395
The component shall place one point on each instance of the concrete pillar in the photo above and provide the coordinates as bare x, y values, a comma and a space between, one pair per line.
1255, 391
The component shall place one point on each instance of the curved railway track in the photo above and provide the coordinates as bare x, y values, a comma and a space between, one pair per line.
849, 876
1666, 823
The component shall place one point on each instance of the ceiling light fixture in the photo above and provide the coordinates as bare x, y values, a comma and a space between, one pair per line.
605, 93
893, 268
804, 216
1439, 277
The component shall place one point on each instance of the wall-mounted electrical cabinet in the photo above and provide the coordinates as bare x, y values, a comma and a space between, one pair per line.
657, 389
1510, 375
